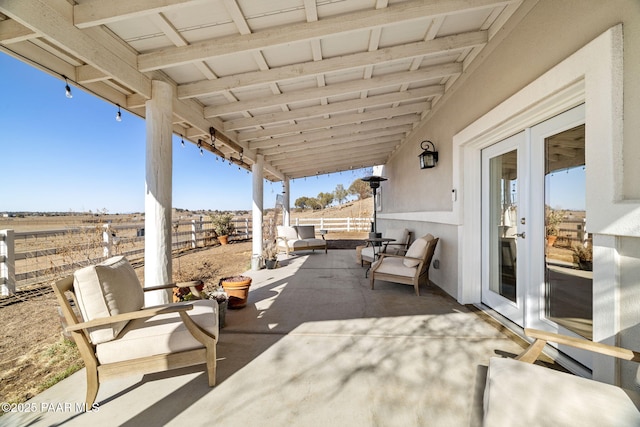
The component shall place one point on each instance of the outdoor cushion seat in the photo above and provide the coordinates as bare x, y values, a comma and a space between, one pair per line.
525, 394
519, 393
160, 334
298, 238
395, 266
117, 336
410, 269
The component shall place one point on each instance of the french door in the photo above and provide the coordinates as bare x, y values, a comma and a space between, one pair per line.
504, 167
537, 250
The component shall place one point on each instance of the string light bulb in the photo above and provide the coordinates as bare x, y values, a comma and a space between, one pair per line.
118, 114
67, 88
200, 147
182, 140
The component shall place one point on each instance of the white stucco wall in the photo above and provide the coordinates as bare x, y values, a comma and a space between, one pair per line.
446, 252
550, 33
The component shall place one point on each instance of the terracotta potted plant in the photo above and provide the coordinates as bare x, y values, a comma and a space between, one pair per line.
237, 287
223, 226
553, 218
270, 256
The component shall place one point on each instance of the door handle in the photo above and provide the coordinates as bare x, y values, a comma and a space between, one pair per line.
520, 235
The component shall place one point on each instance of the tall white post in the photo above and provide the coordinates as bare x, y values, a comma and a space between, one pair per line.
7, 263
257, 214
194, 235
157, 202
286, 203
107, 239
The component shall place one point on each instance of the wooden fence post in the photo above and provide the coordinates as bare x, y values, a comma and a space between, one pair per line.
7, 263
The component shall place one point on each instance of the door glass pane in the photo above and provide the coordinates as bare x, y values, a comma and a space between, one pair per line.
568, 252
503, 194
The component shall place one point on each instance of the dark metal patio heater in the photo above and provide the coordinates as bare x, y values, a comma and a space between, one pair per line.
374, 182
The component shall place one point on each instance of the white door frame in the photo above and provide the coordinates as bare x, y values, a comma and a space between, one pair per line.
576, 80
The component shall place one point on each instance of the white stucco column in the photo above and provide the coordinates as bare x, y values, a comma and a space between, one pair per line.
257, 216
157, 201
286, 203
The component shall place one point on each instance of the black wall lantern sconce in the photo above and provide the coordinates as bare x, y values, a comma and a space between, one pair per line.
429, 156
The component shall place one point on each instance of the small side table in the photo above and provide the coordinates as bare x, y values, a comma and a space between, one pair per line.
372, 242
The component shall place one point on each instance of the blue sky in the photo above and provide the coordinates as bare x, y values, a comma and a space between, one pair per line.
61, 154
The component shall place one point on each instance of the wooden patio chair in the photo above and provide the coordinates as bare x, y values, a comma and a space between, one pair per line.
400, 244
409, 269
524, 394
120, 337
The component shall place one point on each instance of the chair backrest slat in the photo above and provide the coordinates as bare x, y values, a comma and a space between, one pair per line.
428, 254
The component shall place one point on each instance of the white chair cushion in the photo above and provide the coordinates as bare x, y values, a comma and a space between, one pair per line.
287, 232
523, 394
104, 290
306, 231
293, 244
161, 334
395, 266
417, 250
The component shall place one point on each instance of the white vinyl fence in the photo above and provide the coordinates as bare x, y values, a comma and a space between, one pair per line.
29, 258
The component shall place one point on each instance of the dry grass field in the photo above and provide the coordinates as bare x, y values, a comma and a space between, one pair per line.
33, 354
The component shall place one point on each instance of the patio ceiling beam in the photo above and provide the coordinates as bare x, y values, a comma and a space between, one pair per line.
14, 32
338, 131
323, 161
340, 63
100, 12
319, 155
399, 131
293, 33
52, 20
331, 166
191, 112
356, 86
344, 119
351, 140
319, 149
332, 108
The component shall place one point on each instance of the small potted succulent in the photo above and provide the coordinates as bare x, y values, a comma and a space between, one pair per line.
222, 298
270, 256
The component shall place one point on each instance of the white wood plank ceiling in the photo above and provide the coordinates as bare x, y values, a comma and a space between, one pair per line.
316, 86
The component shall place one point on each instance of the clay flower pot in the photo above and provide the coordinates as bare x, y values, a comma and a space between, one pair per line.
238, 289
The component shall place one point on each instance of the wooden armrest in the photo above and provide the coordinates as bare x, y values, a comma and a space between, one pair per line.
193, 283
140, 314
531, 354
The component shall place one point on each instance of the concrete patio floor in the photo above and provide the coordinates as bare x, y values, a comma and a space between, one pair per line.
315, 346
